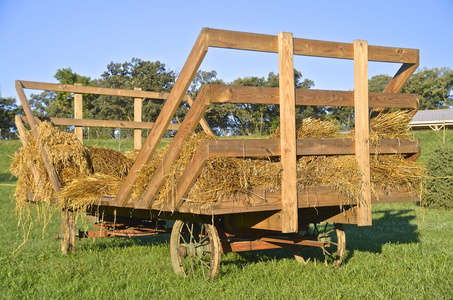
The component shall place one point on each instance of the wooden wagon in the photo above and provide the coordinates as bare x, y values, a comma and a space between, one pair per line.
257, 219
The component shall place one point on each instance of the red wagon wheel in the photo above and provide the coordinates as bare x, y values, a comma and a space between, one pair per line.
195, 249
326, 232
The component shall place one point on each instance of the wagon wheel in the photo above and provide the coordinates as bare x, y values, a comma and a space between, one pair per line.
326, 232
195, 249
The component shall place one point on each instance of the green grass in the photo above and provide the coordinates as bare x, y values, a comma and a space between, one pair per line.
406, 254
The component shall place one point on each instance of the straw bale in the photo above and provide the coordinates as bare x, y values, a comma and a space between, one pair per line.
312, 128
390, 172
109, 162
83, 192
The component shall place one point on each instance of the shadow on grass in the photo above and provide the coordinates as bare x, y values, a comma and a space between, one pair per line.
102, 244
394, 226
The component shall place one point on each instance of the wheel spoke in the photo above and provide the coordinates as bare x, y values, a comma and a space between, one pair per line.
183, 239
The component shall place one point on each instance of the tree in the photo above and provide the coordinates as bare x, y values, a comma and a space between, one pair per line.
8, 110
434, 87
248, 119
378, 83
60, 104
149, 76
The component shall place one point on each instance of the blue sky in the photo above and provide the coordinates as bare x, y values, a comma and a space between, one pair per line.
39, 37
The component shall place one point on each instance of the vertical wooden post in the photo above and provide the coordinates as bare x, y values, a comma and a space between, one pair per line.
362, 131
68, 230
78, 114
288, 133
137, 118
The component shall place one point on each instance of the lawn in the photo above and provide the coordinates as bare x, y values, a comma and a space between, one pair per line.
406, 254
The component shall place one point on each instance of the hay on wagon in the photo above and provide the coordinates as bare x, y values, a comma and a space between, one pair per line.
88, 173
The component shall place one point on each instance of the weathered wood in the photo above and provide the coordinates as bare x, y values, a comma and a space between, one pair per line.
362, 131
188, 125
57, 87
268, 43
137, 118
34, 129
100, 123
171, 105
258, 148
68, 244
78, 113
287, 133
268, 95
190, 174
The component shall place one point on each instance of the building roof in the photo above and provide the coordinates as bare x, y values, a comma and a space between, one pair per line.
432, 118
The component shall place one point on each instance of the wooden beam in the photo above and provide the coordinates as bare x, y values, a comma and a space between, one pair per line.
267, 95
259, 148
288, 133
309, 197
268, 43
362, 131
190, 174
401, 77
137, 118
34, 129
204, 124
94, 90
100, 123
187, 127
78, 114
171, 105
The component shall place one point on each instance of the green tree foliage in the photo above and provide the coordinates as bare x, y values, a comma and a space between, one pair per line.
149, 76
434, 87
378, 83
439, 186
248, 119
60, 104
8, 109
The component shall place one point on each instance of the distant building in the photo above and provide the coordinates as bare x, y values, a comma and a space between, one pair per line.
434, 119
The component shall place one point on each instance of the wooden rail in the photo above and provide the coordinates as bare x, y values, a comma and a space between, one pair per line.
137, 93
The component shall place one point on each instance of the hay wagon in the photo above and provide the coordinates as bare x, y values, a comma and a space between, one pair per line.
255, 219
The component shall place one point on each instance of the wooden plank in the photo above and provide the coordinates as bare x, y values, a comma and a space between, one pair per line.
287, 133
401, 77
268, 43
262, 201
94, 90
191, 120
258, 148
362, 131
100, 123
267, 95
204, 124
171, 105
190, 174
310, 197
137, 118
78, 114
33, 124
